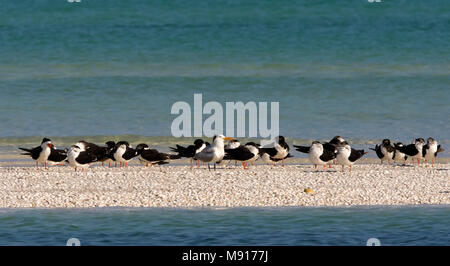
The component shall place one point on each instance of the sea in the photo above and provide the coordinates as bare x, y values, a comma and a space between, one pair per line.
100, 70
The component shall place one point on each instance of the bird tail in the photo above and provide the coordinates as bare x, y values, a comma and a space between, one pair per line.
161, 162
372, 149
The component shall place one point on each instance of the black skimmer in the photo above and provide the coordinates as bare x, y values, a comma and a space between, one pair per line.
149, 156
213, 153
233, 144
346, 155
40, 153
123, 153
280, 151
430, 150
414, 150
191, 150
265, 157
57, 156
385, 151
318, 153
398, 155
102, 153
105, 153
78, 158
248, 153
329, 147
336, 140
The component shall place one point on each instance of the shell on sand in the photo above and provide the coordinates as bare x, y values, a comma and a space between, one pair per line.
228, 186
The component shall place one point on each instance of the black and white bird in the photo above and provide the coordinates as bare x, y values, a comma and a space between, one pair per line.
102, 153
79, 158
336, 140
213, 153
385, 151
149, 156
265, 157
247, 153
398, 155
189, 151
57, 156
123, 153
430, 150
318, 153
414, 150
40, 153
279, 151
346, 155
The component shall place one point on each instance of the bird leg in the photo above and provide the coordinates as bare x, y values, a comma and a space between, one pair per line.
191, 163
343, 170
324, 167
315, 167
282, 160
432, 162
243, 164
350, 168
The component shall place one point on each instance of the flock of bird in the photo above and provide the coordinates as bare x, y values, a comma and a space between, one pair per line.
83, 154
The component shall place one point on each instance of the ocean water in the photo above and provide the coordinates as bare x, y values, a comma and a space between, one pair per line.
398, 226
361, 70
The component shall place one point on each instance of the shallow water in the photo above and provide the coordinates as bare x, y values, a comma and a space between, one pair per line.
410, 225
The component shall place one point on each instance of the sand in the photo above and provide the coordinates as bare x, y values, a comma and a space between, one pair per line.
229, 186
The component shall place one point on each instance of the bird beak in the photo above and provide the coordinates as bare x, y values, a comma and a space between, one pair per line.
50, 145
228, 138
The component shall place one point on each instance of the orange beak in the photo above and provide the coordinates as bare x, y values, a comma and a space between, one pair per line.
50, 145
228, 138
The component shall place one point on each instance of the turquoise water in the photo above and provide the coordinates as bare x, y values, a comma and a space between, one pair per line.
423, 225
357, 69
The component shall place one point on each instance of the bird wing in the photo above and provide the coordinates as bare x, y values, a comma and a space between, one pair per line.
271, 151
304, 149
57, 155
35, 152
241, 153
85, 158
206, 155
355, 155
327, 155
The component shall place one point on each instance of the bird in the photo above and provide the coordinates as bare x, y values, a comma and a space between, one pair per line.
398, 155
385, 151
265, 157
40, 153
233, 144
318, 154
102, 153
279, 151
346, 155
430, 150
336, 140
123, 153
57, 156
414, 150
189, 151
149, 156
79, 158
328, 150
247, 153
213, 153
